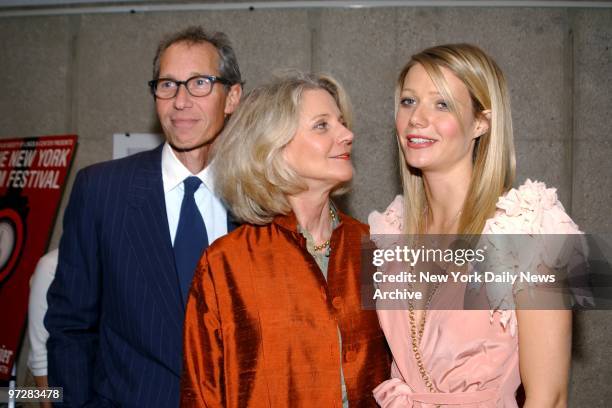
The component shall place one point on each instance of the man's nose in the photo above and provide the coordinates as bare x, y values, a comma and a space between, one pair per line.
182, 99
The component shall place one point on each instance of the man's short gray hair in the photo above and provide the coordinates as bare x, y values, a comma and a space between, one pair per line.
228, 64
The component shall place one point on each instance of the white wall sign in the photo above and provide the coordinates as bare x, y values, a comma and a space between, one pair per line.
126, 144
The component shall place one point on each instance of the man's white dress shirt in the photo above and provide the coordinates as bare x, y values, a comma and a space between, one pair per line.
212, 210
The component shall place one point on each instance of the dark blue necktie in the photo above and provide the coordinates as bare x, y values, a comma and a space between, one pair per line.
191, 238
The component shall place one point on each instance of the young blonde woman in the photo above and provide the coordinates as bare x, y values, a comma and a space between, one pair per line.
454, 132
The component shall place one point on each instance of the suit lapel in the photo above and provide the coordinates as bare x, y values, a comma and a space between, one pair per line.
149, 235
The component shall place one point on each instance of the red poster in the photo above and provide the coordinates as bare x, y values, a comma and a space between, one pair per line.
32, 176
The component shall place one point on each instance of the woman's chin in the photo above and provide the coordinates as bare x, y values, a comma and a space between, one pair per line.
339, 176
344, 178
330, 183
418, 164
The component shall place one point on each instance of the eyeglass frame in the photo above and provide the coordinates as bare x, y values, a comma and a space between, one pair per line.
212, 78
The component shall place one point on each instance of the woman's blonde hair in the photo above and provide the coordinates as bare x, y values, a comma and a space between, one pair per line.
494, 157
251, 174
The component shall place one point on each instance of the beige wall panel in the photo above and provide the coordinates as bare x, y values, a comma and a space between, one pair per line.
35, 69
358, 48
591, 361
592, 146
545, 161
592, 192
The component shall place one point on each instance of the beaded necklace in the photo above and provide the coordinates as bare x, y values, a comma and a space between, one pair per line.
326, 244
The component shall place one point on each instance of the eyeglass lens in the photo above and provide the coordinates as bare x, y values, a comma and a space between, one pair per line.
196, 86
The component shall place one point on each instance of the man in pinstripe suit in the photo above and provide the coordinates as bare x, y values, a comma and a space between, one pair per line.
116, 306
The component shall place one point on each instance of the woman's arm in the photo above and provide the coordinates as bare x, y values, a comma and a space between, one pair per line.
545, 339
202, 382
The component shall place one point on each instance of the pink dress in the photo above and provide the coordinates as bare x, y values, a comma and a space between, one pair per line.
471, 356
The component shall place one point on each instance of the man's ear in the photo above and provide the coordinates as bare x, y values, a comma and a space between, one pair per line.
233, 99
483, 123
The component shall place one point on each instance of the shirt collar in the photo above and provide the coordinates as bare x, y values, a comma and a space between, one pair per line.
174, 172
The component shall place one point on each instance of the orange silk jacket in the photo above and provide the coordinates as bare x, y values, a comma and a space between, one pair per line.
262, 323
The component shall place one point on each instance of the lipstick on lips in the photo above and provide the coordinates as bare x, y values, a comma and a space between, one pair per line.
419, 141
343, 156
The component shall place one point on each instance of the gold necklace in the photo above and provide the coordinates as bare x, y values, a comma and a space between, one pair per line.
326, 244
321, 246
416, 338
415, 335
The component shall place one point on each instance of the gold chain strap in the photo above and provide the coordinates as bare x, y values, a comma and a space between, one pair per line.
416, 338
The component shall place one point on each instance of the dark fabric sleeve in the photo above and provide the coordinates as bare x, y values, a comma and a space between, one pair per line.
72, 318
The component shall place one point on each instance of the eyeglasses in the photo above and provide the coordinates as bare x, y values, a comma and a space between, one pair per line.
199, 85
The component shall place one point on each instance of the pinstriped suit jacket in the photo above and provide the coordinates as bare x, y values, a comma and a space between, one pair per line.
115, 314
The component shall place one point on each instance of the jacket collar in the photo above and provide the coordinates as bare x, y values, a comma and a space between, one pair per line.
289, 221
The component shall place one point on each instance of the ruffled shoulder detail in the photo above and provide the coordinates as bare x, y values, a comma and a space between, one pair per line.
389, 221
530, 209
550, 239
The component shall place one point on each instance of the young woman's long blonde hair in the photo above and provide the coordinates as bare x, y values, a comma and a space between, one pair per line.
494, 157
